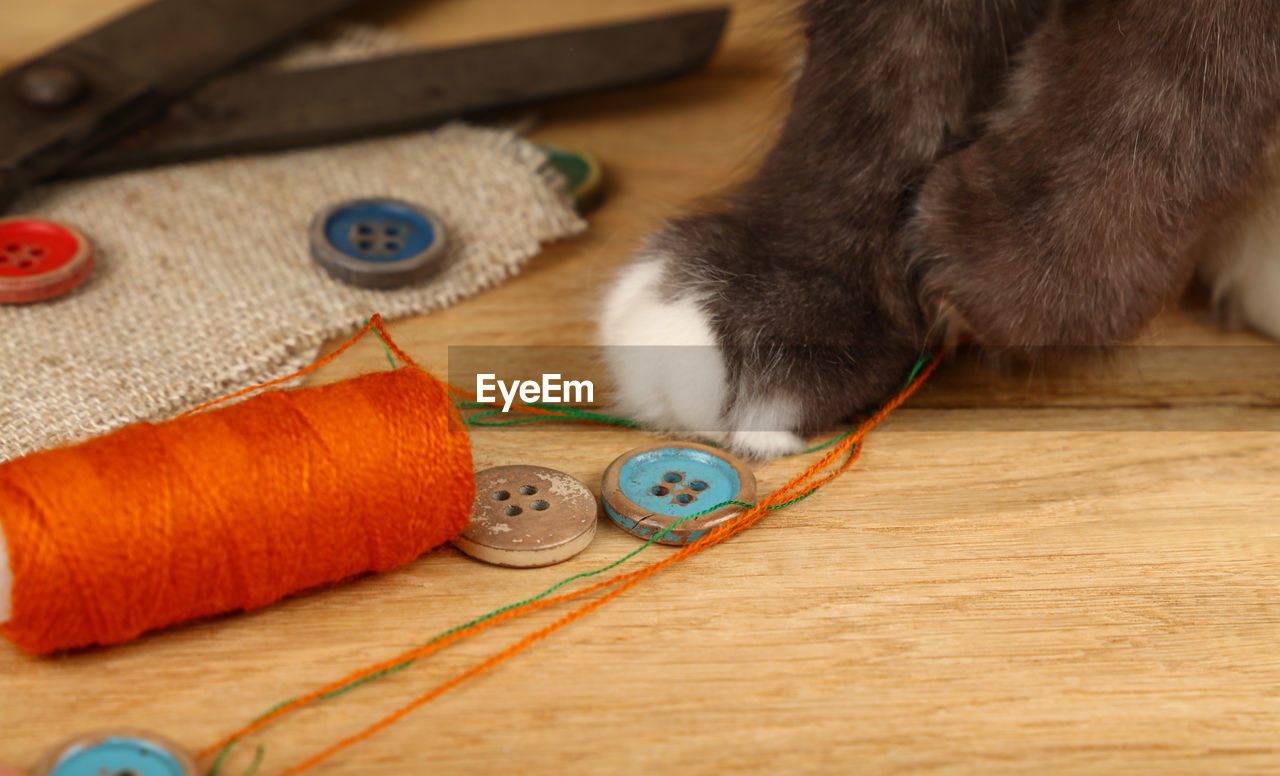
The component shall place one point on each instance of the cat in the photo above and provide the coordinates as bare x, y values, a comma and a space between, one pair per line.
1026, 172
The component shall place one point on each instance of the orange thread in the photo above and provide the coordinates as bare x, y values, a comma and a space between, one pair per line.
233, 508
806, 482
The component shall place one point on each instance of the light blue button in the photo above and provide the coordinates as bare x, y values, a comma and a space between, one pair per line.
120, 755
651, 489
678, 481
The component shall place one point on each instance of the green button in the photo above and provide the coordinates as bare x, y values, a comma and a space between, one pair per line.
583, 172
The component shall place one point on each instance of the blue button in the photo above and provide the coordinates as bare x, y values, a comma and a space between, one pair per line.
118, 753
377, 243
654, 488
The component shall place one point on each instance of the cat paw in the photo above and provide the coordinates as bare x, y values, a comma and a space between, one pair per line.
1008, 249
661, 350
670, 371
1074, 218
752, 354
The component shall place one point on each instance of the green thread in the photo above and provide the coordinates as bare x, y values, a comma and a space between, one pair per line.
564, 412
258, 754
503, 609
257, 761
385, 345
828, 443
358, 682
253, 768
222, 758
915, 370
474, 421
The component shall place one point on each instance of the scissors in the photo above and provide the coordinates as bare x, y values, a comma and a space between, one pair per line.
163, 84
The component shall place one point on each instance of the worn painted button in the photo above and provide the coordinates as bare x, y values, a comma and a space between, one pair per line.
652, 488
528, 516
377, 243
583, 171
118, 753
41, 259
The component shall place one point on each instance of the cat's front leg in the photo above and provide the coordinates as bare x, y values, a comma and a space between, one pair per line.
1127, 129
791, 308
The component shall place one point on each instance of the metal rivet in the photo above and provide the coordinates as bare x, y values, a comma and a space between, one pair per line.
50, 86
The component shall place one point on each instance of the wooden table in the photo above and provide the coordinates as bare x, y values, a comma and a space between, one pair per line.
1073, 574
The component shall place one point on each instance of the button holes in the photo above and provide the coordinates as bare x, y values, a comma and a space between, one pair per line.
527, 490
364, 245
391, 246
12, 247
698, 485
26, 264
501, 495
392, 231
36, 252
364, 229
512, 511
673, 477
4, 258
684, 498
540, 505
659, 490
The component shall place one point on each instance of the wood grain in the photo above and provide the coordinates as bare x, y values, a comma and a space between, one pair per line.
1098, 595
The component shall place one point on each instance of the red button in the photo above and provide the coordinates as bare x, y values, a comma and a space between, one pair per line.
40, 259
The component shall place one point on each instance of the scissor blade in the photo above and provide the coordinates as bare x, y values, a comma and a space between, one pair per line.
260, 110
123, 74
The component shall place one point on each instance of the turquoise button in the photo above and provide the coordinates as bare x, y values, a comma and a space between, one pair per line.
653, 488
119, 755
678, 481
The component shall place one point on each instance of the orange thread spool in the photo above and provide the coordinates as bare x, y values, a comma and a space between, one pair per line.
231, 508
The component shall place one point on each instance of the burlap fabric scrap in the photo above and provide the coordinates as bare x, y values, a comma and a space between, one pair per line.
205, 283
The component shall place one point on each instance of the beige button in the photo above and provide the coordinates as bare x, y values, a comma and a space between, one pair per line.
528, 516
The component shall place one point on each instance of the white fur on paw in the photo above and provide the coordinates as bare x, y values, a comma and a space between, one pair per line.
1248, 288
670, 372
1242, 262
661, 351
762, 428
1259, 297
